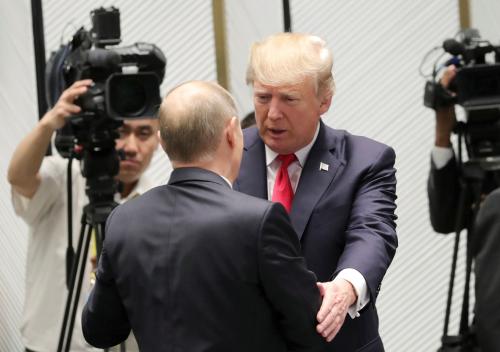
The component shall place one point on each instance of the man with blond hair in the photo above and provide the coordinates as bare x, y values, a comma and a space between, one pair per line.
195, 266
339, 189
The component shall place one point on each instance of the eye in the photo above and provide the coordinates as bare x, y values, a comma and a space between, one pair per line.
144, 133
262, 98
123, 132
291, 99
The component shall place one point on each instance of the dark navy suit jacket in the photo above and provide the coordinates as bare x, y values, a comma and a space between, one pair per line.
344, 216
195, 266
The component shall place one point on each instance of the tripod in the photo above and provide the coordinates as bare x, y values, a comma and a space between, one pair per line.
100, 188
471, 182
93, 219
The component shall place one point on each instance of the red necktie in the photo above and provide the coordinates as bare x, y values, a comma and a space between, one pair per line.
283, 191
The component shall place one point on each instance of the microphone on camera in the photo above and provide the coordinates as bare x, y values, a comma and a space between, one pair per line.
453, 47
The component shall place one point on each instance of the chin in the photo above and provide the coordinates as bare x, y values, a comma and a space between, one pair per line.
128, 178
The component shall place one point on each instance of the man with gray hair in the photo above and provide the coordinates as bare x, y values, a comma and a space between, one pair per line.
195, 266
339, 189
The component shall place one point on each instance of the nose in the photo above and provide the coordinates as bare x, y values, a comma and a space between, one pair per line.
274, 112
129, 145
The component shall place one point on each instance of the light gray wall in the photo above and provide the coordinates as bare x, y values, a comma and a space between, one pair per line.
377, 46
485, 17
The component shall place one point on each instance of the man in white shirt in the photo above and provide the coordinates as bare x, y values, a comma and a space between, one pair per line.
444, 194
39, 197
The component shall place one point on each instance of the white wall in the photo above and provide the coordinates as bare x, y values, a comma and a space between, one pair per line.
377, 46
484, 15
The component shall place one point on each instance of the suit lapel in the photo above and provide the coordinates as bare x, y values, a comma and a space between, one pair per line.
252, 179
320, 169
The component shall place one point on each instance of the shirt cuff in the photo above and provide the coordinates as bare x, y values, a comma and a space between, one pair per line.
359, 283
441, 156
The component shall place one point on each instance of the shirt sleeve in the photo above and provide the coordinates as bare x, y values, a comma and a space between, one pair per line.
441, 156
52, 173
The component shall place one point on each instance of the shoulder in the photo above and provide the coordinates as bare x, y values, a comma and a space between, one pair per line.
354, 148
250, 136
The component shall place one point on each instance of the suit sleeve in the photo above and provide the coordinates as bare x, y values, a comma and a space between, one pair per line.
104, 318
443, 190
370, 237
289, 286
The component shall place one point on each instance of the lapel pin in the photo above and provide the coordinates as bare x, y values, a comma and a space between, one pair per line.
323, 166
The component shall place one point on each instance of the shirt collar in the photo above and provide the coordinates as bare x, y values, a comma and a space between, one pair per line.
228, 182
301, 154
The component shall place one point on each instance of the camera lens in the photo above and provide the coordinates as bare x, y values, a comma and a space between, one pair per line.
129, 98
132, 95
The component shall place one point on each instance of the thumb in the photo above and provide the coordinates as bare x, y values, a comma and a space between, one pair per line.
321, 288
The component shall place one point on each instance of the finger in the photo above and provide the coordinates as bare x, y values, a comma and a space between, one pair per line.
72, 94
66, 109
82, 83
327, 303
321, 288
327, 321
334, 333
335, 324
326, 307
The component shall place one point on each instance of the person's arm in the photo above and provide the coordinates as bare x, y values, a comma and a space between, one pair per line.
370, 243
442, 184
104, 318
289, 286
28, 156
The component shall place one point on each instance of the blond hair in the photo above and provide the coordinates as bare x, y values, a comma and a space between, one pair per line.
192, 119
290, 58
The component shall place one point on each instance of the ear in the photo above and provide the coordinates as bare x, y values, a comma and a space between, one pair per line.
326, 101
162, 143
232, 130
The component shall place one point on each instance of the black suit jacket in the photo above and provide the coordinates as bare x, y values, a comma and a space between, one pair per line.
445, 195
195, 266
443, 190
343, 214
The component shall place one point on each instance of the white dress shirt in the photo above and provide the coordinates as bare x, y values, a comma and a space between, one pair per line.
294, 171
441, 156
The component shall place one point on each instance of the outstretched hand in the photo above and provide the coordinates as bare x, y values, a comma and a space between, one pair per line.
338, 296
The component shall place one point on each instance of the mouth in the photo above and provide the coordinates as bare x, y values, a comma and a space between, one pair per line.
276, 132
129, 163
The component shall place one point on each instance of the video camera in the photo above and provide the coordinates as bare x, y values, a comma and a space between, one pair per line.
476, 87
126, 86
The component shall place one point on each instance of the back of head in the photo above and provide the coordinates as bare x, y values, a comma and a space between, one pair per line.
290, 58
192, 120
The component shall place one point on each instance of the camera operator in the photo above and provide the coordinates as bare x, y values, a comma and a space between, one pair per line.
39, 197
443, 193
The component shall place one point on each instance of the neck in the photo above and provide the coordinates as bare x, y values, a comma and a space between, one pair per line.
219, 168
127, 188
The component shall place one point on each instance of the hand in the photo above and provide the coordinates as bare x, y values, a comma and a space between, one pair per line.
338, 296
56, 117
448, 76
445, 117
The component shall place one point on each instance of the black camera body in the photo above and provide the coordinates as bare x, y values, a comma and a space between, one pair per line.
126, 86
476, 87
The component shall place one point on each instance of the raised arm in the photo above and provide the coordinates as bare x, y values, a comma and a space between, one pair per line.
28, 156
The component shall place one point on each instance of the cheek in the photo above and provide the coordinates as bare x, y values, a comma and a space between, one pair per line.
148, 152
